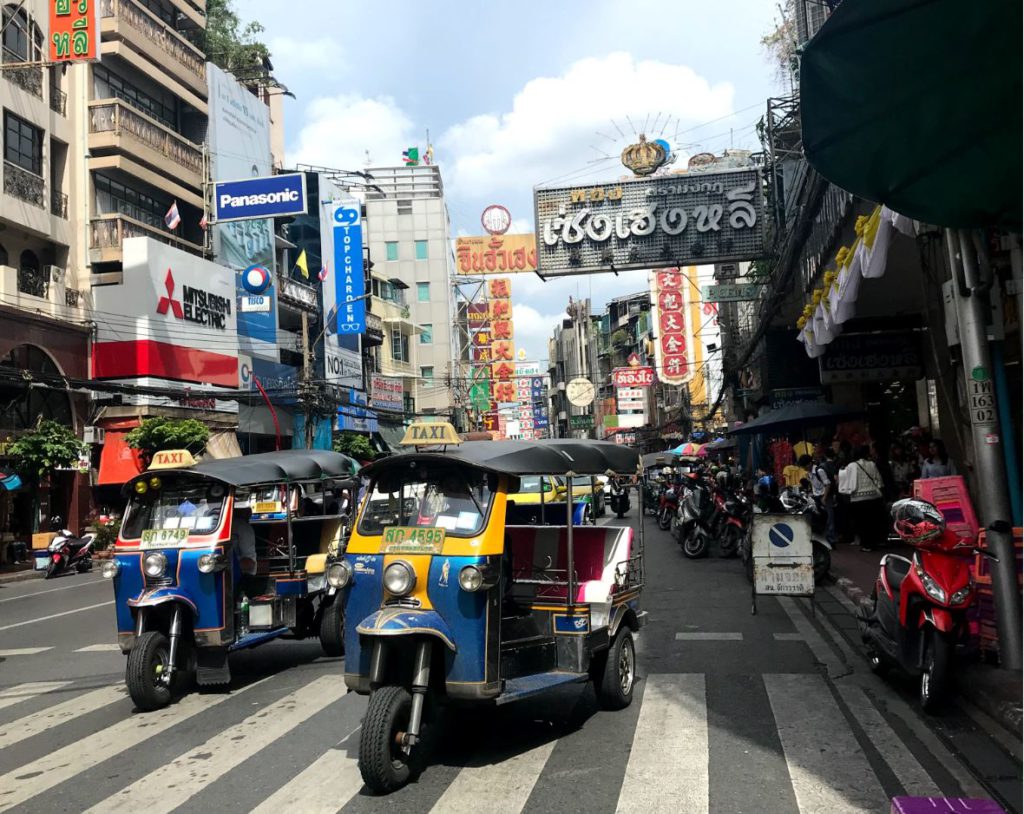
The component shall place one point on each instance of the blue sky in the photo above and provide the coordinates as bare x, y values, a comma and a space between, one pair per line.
515, 95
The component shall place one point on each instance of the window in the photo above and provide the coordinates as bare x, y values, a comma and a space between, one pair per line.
421, 250
426, 334
400, 346
113, 196
423, 292
161, 106
23, 144
427, 374
392, 249
405, 207
15, 39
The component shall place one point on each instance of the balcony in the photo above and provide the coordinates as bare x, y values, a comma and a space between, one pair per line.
29, 77
107, 234
34, 283
128, 21
24, 185
58, 98
41, 292
58, 204
299, 295
115, 125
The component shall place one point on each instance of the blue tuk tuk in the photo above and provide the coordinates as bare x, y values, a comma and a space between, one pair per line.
222, 555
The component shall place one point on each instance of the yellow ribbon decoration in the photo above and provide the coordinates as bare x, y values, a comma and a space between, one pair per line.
801, 322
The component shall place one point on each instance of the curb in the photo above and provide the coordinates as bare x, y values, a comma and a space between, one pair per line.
21, 576
1006, 713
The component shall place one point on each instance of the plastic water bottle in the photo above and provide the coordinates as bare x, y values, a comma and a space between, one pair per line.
243, 613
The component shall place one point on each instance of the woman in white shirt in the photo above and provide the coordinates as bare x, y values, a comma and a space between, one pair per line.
861, 480
937, 464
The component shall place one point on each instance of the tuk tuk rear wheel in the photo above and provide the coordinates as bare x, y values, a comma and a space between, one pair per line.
332, 627
147, 664
618, 678
383, 763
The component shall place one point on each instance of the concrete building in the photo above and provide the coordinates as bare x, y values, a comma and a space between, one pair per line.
573, 354
409, 238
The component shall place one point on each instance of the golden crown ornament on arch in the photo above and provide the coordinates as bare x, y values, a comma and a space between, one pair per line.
644, 157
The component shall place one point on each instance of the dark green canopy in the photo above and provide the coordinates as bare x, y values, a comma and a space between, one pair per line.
917, 104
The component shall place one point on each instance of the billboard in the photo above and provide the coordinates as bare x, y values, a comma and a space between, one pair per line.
239, 136
668, 312
344, 280
650, 222
270, 196
496, 254
74, 30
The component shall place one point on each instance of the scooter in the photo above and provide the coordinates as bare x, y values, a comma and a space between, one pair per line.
920, 609
668, 503
617, 497
694, 521
68, 552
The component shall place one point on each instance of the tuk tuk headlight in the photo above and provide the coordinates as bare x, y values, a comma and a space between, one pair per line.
155, 564
140, 487
399, 578
339, 574
110, 568
208, 563
470, 579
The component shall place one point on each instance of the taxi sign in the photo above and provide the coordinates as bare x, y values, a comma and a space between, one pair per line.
423, 433
172, 459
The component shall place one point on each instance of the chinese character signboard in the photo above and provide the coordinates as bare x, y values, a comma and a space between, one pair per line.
633, 376
503, 352
496, 254
669, 314
74, 30
644, 223
732, 292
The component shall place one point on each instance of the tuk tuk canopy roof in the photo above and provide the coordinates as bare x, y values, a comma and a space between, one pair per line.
545, 457
287, 465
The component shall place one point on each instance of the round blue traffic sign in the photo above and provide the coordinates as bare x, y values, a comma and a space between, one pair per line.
781, 535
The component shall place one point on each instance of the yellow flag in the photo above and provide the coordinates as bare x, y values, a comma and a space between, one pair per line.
301, 264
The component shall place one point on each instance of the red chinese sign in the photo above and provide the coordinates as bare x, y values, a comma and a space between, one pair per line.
74, 30
669, 297
633, 376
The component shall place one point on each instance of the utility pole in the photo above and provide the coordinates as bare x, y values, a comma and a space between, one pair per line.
306, 390
973, 313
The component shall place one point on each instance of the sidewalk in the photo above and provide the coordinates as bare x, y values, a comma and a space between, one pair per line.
17, 573
994, 691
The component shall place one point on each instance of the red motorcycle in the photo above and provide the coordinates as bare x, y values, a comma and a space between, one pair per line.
68, 552
920, 610
668, 503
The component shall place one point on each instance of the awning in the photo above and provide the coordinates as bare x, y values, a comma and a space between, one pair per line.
223, 444
9, 481
119, 463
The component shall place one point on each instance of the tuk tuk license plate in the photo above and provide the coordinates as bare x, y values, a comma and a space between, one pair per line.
152, 538
413, 540
268, 507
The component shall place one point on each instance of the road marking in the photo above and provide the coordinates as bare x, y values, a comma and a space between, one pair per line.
22, 692
827, 768
324, 787
24, 651
668, 762
57, 615
51, 590
909, 772
100, 648
707, 636
515, 777
54, 768
174, 783
822, 652
58, 714
788, 637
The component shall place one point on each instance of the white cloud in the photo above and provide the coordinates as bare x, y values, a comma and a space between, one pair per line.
339, 130
532, 329
293, 57
554, 122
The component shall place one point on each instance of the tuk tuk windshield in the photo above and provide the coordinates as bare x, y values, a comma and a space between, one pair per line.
431, 495
195, 506
530, 484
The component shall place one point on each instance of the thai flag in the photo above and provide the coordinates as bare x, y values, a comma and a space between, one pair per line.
203, 222
322, 274
172, 218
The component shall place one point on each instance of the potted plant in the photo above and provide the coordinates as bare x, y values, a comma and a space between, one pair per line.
160, 433
107, 529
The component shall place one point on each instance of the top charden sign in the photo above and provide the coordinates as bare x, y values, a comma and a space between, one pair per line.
646, 223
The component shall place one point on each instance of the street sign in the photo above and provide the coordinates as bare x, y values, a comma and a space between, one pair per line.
730, 292
633, 376
581, 422
783, 555
255, 198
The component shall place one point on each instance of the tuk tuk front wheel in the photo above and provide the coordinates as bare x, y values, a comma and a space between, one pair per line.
147, 664
383, 762
615, 684
332, 627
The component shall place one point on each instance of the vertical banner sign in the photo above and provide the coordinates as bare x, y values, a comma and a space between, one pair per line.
479, 318
503, 352
669, 312
74, 30
348, 263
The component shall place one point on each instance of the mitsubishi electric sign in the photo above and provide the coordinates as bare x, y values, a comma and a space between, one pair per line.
268, 197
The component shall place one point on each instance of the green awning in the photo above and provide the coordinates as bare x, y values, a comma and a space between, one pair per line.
917, 105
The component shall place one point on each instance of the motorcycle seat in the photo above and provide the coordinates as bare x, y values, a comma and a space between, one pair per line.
895, 570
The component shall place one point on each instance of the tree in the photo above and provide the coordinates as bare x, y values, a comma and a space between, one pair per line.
780, 43
48, 447
233, 46
354, 445
156, 434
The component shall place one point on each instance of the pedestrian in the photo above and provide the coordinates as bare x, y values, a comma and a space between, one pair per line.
903, 470
823, 489
862, 481
795, 474
880, 455
937, 464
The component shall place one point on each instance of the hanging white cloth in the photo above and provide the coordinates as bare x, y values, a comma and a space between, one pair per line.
877, 234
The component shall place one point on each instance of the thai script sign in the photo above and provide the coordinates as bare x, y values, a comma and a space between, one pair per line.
649, 222
669, 314
386, 393
633, 376
74, 30
871, 357
496, 254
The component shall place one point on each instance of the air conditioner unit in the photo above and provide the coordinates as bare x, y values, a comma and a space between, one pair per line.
54, 274
94, 435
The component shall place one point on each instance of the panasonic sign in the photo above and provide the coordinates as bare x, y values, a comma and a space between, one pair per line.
269, 197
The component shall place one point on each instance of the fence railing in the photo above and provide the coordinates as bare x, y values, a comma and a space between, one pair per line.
25, 185
166, 38
59, 204
27, 77
34, 282
118, 117
110, 232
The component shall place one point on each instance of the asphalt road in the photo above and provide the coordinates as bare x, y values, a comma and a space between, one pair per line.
733, 713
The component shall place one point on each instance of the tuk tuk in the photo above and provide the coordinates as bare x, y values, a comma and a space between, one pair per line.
446, 601
222, 555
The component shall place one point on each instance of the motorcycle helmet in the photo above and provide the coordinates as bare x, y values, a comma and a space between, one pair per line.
791, 500
916, 520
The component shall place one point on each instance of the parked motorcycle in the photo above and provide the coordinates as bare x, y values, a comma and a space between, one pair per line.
652, 490
617, 497
68, 552
694, 525
736, 512
920, 604
668, 503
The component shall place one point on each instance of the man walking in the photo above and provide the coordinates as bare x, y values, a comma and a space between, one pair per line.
823, 487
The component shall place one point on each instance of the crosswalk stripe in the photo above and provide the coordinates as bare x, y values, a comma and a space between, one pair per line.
23, 692
515, 776
100, 648
668, 763
174, 783
827, 768
912, 776
324, 787
53, 768
23, 651
58, 714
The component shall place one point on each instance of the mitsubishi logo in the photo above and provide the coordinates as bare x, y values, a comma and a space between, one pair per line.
169, 301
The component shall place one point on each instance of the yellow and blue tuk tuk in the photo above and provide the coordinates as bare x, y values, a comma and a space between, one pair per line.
446, 600
222, 555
